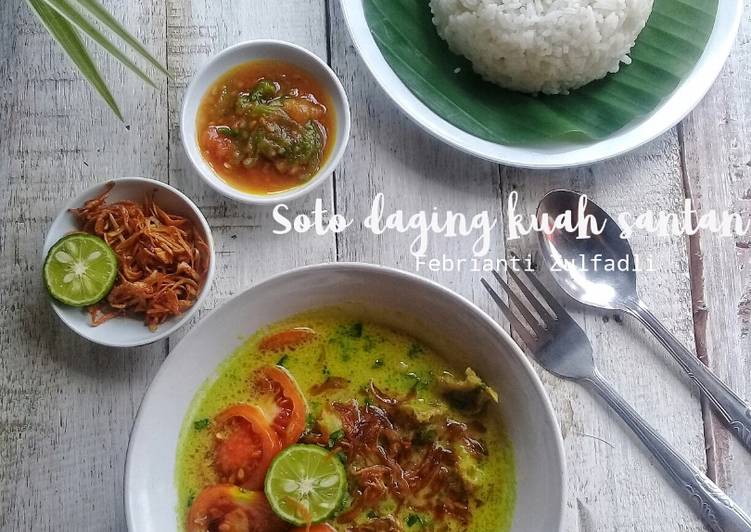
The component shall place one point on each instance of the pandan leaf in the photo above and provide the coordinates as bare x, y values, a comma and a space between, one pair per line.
64, 8
104, 17
68, 38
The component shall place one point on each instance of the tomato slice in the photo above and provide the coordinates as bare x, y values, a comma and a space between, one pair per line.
282, 402
219, 146
232, 509
323, 527
245, 444
288, 339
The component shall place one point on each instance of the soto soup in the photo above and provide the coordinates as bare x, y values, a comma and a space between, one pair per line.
325, 422
266, 126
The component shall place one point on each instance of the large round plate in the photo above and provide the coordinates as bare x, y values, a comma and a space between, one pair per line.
686, 96
405, 301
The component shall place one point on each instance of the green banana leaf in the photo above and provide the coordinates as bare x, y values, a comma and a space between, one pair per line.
665, 52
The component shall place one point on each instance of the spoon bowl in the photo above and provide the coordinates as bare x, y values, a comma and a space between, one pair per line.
592, 264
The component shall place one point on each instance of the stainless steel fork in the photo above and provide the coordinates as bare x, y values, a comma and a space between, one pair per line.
557, 342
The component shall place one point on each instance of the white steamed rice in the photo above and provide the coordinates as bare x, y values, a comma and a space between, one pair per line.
549, 46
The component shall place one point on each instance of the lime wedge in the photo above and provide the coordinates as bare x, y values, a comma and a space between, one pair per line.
80, 269
305, 484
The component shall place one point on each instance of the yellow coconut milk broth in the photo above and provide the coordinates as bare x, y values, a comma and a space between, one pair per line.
359, 352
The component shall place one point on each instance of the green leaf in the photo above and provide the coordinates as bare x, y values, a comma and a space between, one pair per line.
335, 438
201, 424
665, 52
74, 17
102, 15
70, 41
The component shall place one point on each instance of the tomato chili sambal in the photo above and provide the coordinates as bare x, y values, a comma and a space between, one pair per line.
266, 126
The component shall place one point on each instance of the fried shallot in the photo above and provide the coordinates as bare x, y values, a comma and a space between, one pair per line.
162, 258
389, 456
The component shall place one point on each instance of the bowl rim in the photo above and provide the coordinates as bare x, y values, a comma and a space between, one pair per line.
215, 181
550, 417
163, 331
686, 96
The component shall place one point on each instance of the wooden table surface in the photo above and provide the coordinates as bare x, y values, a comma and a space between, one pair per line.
66, 405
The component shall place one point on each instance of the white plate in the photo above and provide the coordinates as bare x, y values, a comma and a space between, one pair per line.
668, 114
129, 331
420, 307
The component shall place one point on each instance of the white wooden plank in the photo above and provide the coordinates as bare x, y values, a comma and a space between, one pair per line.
613, 483
389, 154
247, 250
718, 172
66, 406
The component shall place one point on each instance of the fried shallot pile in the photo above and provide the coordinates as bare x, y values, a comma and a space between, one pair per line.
162, 258
390, 453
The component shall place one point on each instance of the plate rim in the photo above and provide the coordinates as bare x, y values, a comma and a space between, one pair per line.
664, 117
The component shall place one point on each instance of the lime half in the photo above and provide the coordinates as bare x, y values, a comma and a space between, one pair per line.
305, 484
80, 269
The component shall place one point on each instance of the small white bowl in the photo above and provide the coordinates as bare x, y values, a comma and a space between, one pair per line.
404, 301
257, 50
129, 331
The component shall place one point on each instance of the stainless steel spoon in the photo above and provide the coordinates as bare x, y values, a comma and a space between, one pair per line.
579, 266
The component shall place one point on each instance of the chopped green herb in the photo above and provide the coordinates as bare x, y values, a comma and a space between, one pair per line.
201, 424
415, 350
227, 131
378, 363
191, 498
342, 456
372, 515
258, 100
356, 330
425, 436
346, 499
310, 421
414, 376
368, 343
414, 519
307, 148
326, 371
263, 90
335, 437
282, 361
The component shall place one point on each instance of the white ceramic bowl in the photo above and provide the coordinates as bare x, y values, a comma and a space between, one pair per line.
129, 331
249, 51
671, 111
402, 300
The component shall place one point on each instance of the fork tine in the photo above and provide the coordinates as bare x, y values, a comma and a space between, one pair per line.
529, 340
560, 312
531, 320
534, 300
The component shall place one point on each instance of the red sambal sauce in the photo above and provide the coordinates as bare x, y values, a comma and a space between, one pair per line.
265, 126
